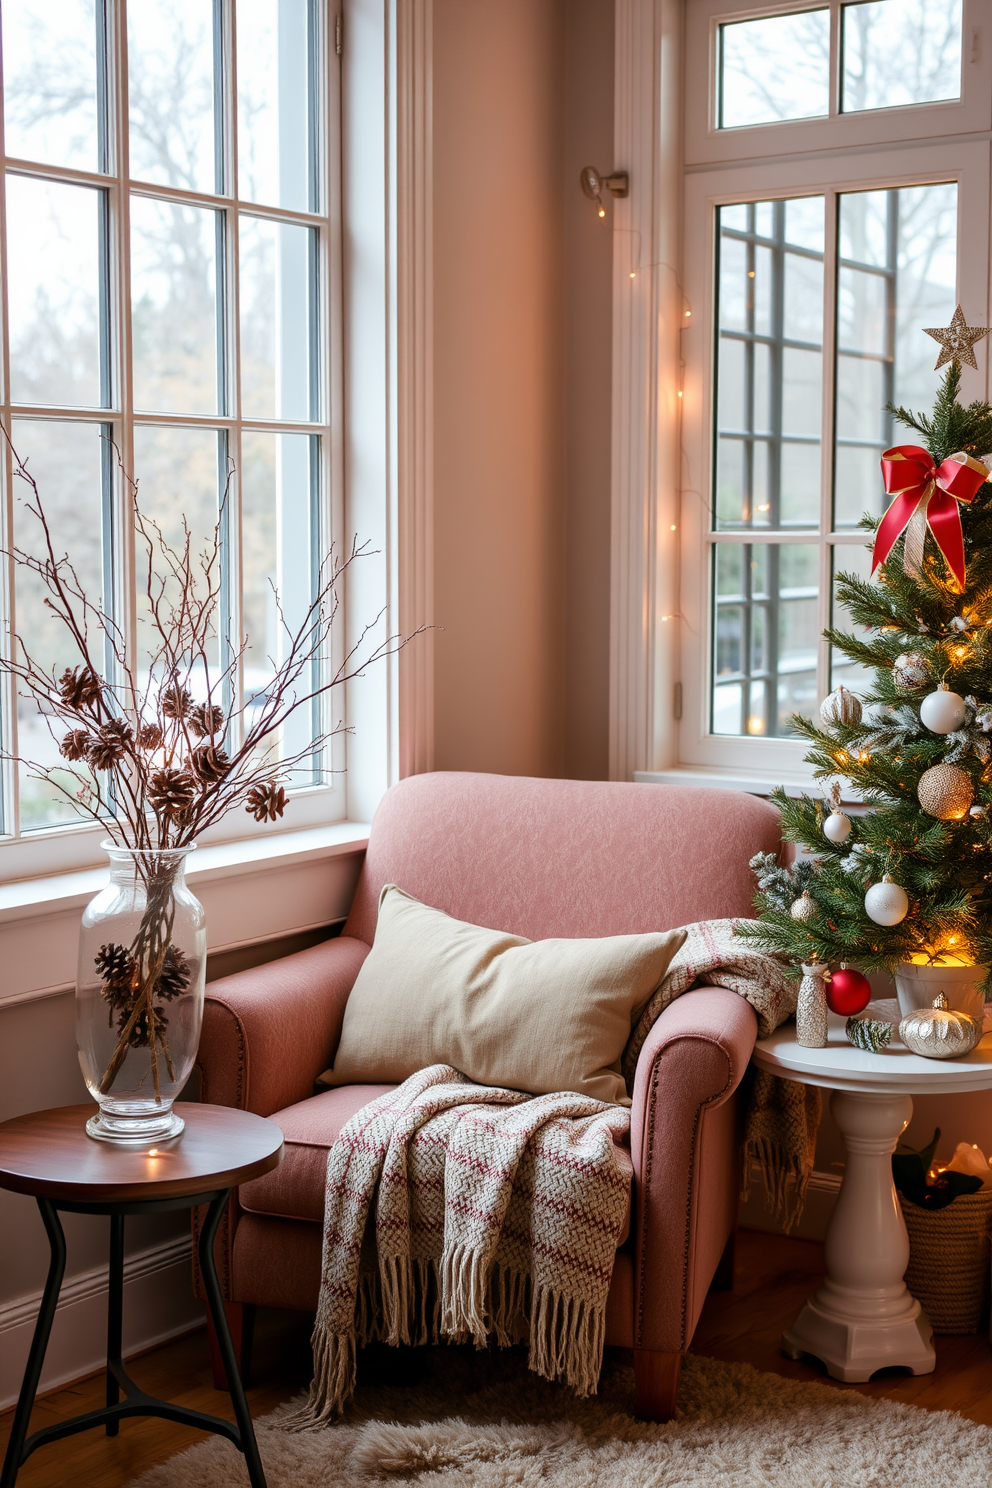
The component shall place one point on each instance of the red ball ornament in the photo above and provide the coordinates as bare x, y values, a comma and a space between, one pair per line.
847, 992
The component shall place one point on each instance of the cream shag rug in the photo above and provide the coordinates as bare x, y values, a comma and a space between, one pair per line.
483, 1421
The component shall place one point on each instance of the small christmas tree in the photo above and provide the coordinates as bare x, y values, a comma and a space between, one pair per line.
911, 878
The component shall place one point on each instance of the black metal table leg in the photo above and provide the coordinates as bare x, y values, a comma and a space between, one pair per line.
115, 1317
39, 1343
215, 1301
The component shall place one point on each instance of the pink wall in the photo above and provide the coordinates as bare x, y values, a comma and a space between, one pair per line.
521, 581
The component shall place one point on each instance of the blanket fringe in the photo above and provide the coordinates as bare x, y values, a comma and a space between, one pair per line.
567, 1335
410, 1302
784, 1178
463, 1294
334, 1367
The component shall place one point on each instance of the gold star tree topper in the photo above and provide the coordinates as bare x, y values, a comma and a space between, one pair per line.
957, 340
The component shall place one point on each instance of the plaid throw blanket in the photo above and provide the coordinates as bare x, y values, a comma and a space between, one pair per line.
496, 1213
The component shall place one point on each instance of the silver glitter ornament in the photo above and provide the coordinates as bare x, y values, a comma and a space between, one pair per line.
910, 669
803, 908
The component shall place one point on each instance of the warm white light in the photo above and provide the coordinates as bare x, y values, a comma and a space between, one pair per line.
632, 274
687, 314
680, 392
153, 1152
673, 526
756, 725
602, 211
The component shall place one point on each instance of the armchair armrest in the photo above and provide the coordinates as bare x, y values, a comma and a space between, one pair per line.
686, 1153
270, 1031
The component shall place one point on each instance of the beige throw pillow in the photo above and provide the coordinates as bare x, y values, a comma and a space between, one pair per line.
537, 1016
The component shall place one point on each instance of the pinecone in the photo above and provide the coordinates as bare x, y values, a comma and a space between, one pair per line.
107, 749
149, 736
171, 792
206, 718
114, 963
266, 802
79, 687
139, 1038
209, 763
174, 701
175, 975
76, 744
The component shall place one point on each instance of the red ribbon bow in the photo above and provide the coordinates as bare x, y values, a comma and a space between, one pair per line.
926, 495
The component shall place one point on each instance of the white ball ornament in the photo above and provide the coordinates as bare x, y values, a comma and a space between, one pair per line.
840, 706
837, 827
887, 902
942, 711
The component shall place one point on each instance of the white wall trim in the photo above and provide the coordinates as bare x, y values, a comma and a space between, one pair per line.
415, 377
648, 312
158, 1305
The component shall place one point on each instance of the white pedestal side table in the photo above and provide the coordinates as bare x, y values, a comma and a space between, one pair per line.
862, 1318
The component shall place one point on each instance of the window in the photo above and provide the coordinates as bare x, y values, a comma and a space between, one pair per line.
167, 224
809, 280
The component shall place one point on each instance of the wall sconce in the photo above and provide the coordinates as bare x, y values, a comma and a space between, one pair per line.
593, 184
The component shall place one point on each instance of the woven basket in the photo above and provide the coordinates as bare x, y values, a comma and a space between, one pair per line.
949, 1260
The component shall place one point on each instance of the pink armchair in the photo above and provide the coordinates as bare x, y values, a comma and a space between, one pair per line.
539, 858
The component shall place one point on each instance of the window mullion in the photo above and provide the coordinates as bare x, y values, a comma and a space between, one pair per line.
8, 699
126, 567
827, 425
234, 610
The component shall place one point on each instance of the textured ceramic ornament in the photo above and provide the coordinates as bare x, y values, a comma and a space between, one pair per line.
946, 792
887, 902
837, 827
840, 706
938, 1032
942, 711
811, 1008
868, 1034
803, 908
910, 669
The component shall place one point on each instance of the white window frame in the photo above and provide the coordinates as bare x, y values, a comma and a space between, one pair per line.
965, 163
47, 850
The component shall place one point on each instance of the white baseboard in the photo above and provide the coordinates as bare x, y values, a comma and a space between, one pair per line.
821, 1195
158, 1305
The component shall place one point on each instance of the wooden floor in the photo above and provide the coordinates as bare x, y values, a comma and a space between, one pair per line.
774, 1276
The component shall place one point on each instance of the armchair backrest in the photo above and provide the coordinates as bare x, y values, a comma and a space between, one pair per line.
549, 858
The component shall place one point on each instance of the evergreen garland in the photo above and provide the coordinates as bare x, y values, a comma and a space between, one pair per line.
944, 866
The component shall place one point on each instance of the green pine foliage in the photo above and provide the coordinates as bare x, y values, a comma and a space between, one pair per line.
944, 866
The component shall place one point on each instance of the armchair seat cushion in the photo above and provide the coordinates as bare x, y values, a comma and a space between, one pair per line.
295, 1190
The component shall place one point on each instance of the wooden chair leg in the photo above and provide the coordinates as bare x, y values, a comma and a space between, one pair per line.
723, 1277
241, 1321
656, 1380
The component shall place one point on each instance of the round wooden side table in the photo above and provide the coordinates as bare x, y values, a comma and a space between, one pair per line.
862, 1317
49, 1155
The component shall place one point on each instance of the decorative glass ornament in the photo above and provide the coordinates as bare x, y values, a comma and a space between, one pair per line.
910, 669
887, 902
938, 1032
837, 827
840, 706
803, 908
811, 1008
942, 711
869, 1034
847, 991
946, 792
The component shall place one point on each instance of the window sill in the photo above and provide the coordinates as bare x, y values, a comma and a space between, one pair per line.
253, 891
755, 784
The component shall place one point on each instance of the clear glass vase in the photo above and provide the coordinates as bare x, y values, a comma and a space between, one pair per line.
139, 994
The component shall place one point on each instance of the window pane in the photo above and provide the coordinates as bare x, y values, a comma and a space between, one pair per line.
849, 560
66, 460
278, 491
275, 138
769, 375
765, 636
171, 93
896, 275
901, 52
50, 82
776, 68
276, 319
177, 473
53, 247
174, 306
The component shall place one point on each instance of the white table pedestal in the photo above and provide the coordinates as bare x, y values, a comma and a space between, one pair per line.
862, 1318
